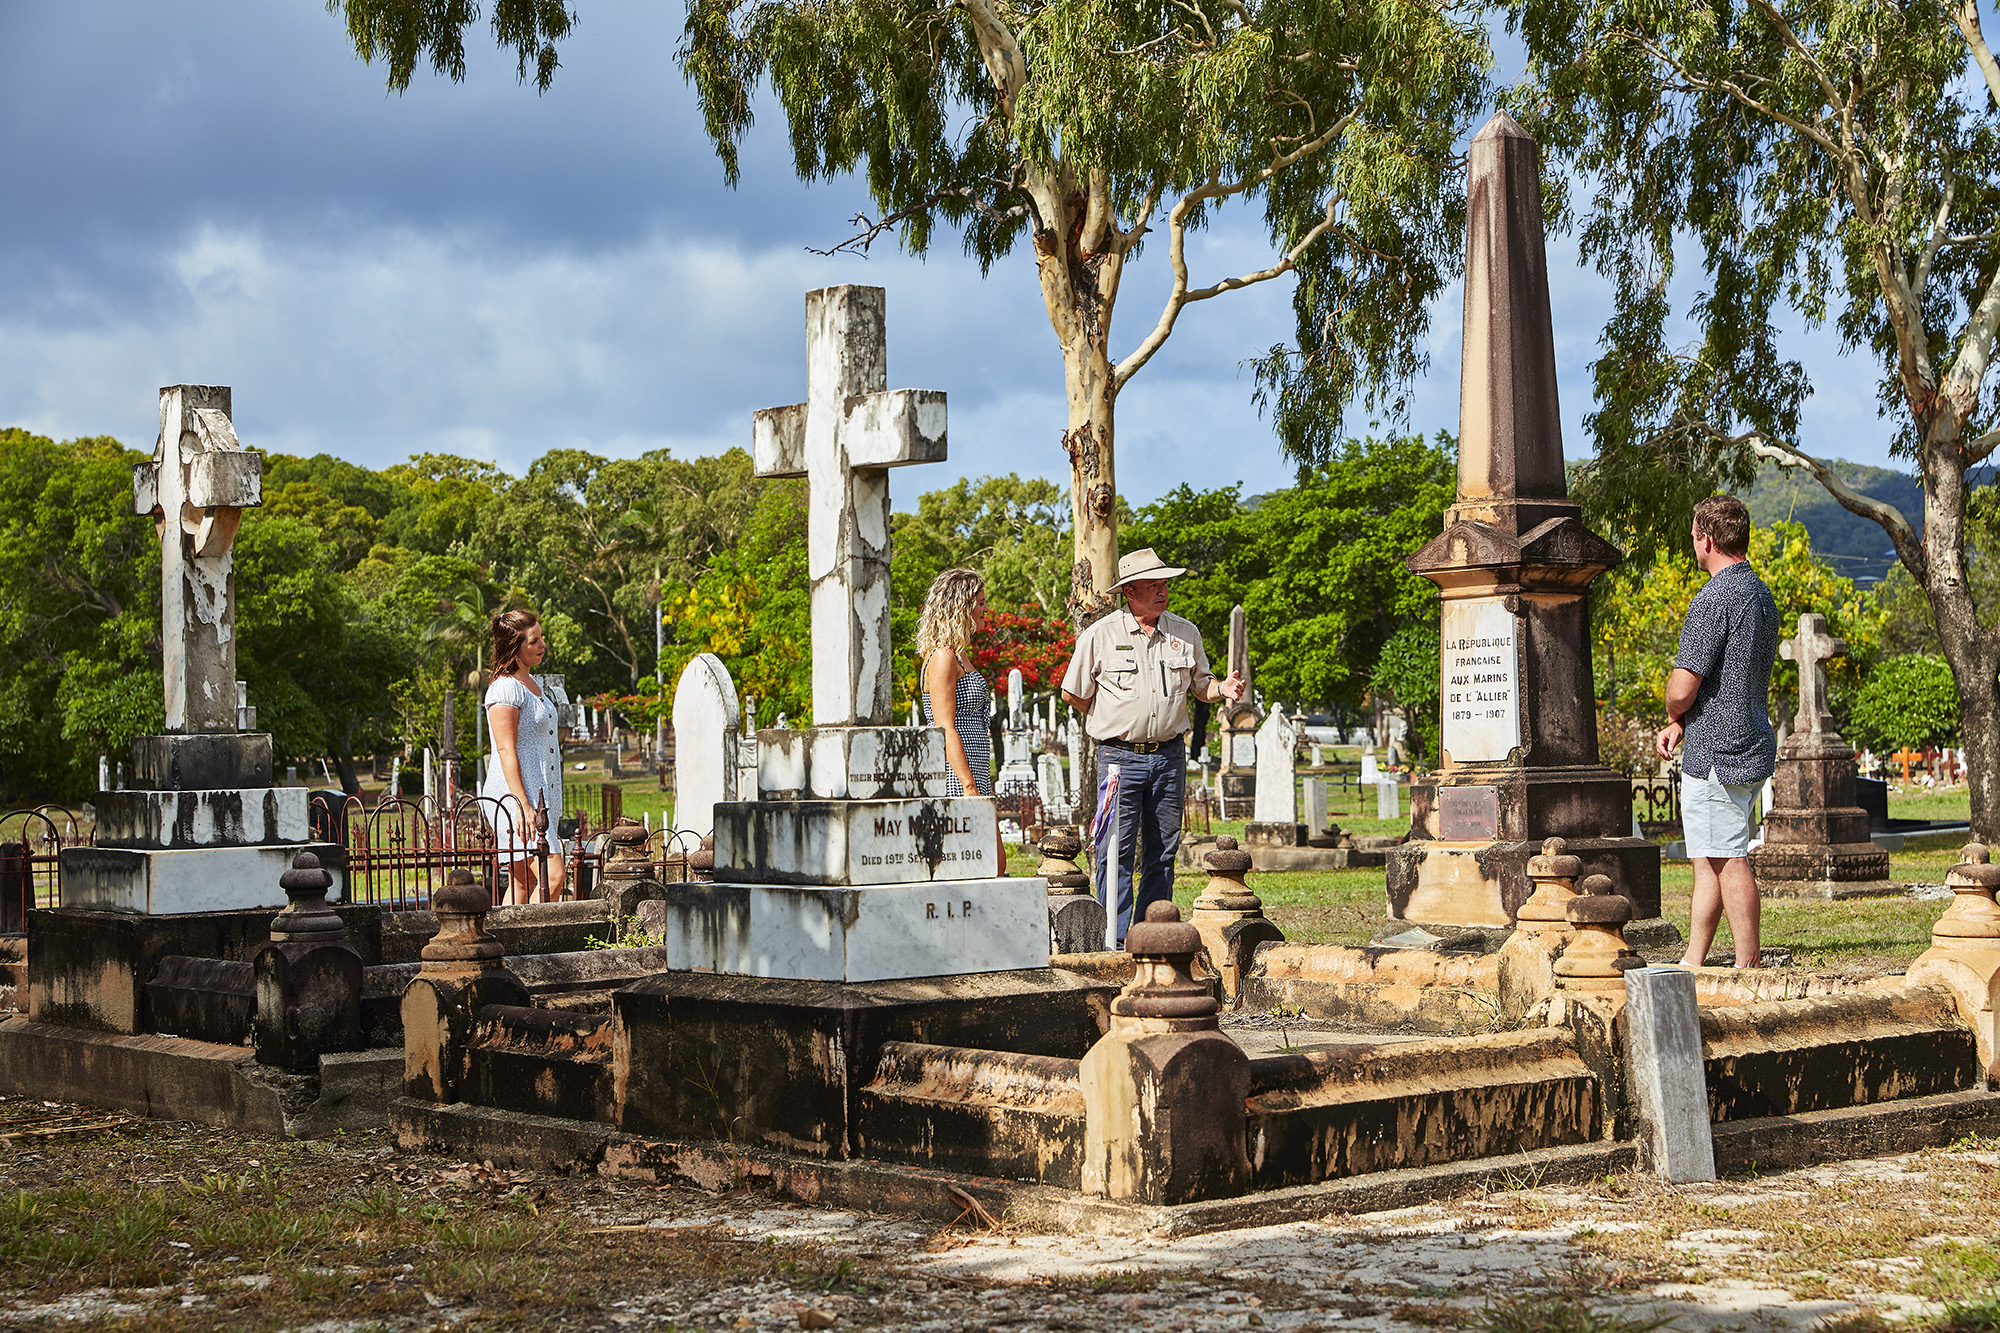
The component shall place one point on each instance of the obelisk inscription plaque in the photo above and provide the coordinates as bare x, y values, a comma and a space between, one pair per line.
1482, 681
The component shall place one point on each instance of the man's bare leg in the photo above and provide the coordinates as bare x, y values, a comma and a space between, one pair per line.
1744, 908
1724, 885
1706, 913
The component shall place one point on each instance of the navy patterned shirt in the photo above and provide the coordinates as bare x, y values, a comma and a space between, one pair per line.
1730, 640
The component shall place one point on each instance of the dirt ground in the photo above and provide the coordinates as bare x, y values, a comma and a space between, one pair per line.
156, 1225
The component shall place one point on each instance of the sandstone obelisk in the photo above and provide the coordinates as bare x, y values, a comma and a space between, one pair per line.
1512, 565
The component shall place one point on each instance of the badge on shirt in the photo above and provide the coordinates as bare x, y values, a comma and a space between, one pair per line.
1123, 648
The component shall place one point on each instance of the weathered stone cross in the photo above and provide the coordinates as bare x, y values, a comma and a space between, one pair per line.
196, 488
843, 439
1811, 649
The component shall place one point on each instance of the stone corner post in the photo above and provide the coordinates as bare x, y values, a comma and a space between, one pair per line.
1164, 1090
1230, 918
463, 969
1965, 950
308, 978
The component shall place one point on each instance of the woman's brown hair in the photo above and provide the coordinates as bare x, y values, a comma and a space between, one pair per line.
510, 629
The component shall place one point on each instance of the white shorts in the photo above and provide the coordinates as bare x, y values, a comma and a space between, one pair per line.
1715, 817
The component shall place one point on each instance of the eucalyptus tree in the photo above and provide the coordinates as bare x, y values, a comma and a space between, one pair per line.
1831, 157
1082, 127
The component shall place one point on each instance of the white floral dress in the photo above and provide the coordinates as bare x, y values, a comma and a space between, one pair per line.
541, 766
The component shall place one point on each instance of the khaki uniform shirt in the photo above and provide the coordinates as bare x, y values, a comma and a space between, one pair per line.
1137, 684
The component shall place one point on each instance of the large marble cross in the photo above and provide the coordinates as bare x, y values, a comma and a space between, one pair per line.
843, 439
1811, 649
196, 488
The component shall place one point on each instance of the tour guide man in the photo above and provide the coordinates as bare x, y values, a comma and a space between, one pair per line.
1130, 677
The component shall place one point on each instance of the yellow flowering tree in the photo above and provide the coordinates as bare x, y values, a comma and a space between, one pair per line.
1638, 615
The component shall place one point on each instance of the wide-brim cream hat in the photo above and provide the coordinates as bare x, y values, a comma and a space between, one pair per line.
1143, 564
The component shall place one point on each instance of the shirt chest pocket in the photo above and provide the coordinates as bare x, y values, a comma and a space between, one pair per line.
1121, 672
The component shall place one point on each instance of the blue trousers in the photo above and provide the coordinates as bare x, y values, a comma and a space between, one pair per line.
1146, 825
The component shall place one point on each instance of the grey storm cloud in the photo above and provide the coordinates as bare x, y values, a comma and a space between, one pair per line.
223, 193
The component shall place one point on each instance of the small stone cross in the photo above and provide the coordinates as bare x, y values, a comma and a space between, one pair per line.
196, 488
1811, 649
843, 439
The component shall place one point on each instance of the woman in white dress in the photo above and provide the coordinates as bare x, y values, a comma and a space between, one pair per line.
525, 768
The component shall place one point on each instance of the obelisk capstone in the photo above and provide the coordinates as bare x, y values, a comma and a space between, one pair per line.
1513, 565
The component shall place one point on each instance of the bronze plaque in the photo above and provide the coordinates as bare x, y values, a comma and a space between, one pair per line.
1468, 814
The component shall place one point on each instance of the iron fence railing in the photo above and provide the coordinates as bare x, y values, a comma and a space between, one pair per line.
1656, 802
30, 876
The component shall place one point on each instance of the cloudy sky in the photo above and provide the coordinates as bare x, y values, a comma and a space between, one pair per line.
222, 193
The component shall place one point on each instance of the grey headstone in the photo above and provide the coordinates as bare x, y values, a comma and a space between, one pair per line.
1664, 1070
1076, 924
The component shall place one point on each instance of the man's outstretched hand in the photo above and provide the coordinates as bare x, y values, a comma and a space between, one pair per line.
1231, 687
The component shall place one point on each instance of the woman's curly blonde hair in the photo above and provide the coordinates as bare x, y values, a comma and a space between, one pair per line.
947, 621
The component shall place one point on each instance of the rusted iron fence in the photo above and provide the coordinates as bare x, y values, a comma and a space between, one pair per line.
30, 842
605, 799
1657, 804
398, 855
1020, 802
1198, 812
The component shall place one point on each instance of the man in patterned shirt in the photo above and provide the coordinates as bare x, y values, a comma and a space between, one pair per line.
1716, 704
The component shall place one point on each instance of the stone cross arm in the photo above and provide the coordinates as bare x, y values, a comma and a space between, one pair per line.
892, 428
1812, 648
217, 479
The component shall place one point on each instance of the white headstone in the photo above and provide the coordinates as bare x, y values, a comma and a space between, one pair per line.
706, 717
1049, 784
843, 439
1369, 772
430, 783
1015, 717
1277, 796
103, 773
1079, 783
1315, 802
1318, 756
1387, 800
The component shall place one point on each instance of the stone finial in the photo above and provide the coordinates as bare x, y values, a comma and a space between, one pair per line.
625, 852
461, 943
1226, 891
1554, 874
306, 918
1163, 995
1973, 914
1059, 847
1598, 958
701, 861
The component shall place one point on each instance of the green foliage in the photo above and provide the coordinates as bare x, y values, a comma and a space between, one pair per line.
1408, 673
79, 613
346, 655
1637, 612
1319, 568
1906, 701
751, 607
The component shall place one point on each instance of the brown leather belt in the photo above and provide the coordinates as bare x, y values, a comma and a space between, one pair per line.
1139, 747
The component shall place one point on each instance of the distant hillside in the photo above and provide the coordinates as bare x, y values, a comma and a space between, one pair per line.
1856, 546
